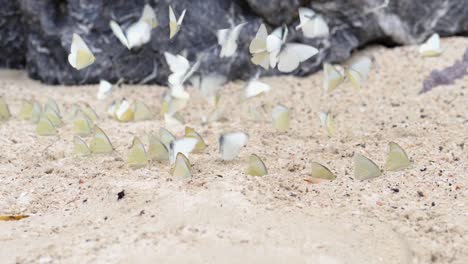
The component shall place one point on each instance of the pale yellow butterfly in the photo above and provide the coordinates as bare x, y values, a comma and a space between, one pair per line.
89, 111
182, 167
328, 122
80, 55
280, 116
100, 143
358, 71
332, 77
142, 112
174, 23
53, 116
137, 157
397, 159
256, 167
318, 171
4, 110
26, 110
45, 127
80, 148
51, 103
166, 137
36, 112
364, 168
124, 111
157, 151
83, 126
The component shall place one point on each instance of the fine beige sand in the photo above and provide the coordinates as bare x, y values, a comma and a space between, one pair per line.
419, 215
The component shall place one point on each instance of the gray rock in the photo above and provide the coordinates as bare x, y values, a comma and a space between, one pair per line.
36, 34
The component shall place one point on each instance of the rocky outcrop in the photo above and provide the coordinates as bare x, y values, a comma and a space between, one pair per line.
36, 34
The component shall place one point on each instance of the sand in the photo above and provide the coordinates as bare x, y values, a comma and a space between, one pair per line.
419, 215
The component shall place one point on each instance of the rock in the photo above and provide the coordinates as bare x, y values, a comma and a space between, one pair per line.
39, 33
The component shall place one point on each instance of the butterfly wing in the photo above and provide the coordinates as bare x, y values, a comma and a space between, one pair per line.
256, 167
137, 157
100, 143
365, 168
397, 159
231, 144
293, 54
280, 117
118, 32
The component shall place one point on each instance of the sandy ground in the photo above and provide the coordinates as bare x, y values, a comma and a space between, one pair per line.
419, 215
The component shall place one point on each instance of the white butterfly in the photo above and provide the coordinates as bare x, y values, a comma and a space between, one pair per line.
230, 144
227, 39
358, 71
255, 87
139, 33
312, 25
287, 56
105, 89
80, 55
431, 48
181, 72
174, 23
209, 84
184, 145
258, 48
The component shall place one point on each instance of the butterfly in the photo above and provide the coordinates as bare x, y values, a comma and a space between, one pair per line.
258, 48
100, 143
397, 159
26, 110
431, 48
255, 88
124, 111
51, 103
83, 126
227, 39
327, 121
280, 117
358, 71
174, 121
80, 55
311, 24
5, 113
45, 127
137, 157
332, 77
287, 56
142, 112
53, 116
364, 168
89, 111
174, 23
191, 133
182, 167
157, 150
209, 86
318, 171
139, 33
105, 89
36, 112
256, 167
80, 148
166, 137
184, 145
181, 72
230, 144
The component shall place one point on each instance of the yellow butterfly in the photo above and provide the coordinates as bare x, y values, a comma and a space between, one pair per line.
82, 124
26, 110
332, 77
174, 23
89, 111
157, 151
80, 55
181, 168
142, 112
358, 71
280, 117
4, 110
124, 111
36, 112
397, 158
191, 133
365, 168
80, 148
53, 116
45, 127
100, 143
52, 104
321, 172
256, 166
328, 122
137, 157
